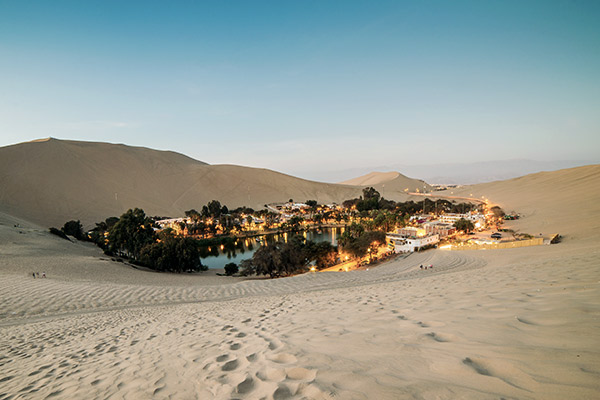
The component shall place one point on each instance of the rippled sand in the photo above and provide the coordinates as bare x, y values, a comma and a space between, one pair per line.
520, 323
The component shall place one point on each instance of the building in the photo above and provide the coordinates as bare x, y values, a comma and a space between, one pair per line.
451, 218
439, 228
402, 244
410, 231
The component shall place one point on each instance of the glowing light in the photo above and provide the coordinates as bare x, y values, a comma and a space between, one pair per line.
313, 269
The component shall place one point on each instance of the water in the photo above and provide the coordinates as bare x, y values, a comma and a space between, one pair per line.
245, 248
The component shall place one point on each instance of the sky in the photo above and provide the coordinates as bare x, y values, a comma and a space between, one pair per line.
306, 87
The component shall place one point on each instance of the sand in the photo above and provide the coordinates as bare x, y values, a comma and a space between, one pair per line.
391, 185
53, 181
519, 323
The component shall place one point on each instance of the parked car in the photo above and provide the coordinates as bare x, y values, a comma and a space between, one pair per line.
496, 235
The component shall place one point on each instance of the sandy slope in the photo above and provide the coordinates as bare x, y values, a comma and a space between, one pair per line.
564, 201
519, 323
53, 181
372, 178
392, 185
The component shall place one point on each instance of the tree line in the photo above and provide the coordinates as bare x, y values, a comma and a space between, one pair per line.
132, 236
288, 258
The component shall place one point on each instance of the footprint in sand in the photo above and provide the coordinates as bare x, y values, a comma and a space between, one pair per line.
223, 357
235, 346
480, 369
439, 337
525, 321
283, 358
271, 375
245, 386
282, 392
301, 374
230, 365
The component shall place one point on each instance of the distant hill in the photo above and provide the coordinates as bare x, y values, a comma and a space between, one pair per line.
563, 201
452, 173
50, 181
389, 184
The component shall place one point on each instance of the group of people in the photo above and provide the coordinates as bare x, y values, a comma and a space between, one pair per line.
37, 275
430, 266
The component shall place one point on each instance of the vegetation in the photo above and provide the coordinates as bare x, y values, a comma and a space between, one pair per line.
284, 259
131, 234
99, 234
372, 200
172, 254
357, 242
464, 225
231, 269
74, 228
497, 211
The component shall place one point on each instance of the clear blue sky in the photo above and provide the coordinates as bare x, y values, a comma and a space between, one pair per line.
282, 84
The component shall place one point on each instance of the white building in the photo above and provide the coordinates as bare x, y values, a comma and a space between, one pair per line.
409, 244
452, 218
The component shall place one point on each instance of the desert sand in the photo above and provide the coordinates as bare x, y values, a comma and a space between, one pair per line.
392, 185
519, 323
52, 181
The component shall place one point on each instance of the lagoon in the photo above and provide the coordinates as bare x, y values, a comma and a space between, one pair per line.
215, 257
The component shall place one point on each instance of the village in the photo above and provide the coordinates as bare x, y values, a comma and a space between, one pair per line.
406, 226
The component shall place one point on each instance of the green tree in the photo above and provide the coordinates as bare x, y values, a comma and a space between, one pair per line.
193, 214
231, 269
73, 228
172, 254
267, 260
131, 234
295, 222
464, 225
323, 254
370, 193
214, 208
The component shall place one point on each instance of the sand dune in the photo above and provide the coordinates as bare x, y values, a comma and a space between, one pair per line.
393, 185
563, 201
373, 178
52, 181
521, 323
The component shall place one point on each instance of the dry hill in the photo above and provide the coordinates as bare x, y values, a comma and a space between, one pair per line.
392, 185
563, 201
51, 181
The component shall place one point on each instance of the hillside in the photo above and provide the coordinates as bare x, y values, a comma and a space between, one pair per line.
563, 201
392, 185
50, 181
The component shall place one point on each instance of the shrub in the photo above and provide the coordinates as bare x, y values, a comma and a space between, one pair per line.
231, 269
73, 228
